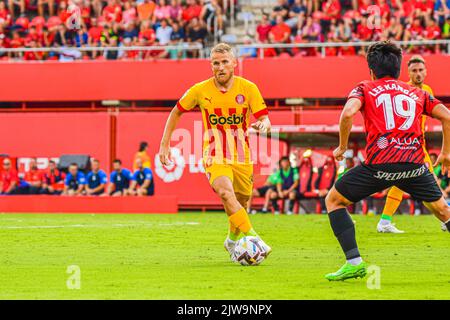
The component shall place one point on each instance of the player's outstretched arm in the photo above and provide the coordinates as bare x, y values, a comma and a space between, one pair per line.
263, 124
351, 108
441, 113
171, 124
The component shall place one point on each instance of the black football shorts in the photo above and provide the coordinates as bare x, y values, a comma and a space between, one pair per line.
263, 190
365, 180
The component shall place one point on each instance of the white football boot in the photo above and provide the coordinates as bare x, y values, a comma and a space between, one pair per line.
229, 246
266, 247
443, 227
388, 228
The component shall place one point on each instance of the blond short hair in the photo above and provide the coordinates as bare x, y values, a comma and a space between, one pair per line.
222, 48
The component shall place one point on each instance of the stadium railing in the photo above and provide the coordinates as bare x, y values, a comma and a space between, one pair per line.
77, 50
323, 45
204, 51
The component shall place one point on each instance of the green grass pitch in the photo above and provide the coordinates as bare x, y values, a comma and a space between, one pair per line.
182, 257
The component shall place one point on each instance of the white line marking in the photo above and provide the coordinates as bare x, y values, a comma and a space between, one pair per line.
116, 225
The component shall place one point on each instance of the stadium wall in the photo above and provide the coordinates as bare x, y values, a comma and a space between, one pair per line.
311, 77
51, 134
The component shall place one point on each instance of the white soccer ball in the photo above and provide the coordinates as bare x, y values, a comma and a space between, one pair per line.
249, 251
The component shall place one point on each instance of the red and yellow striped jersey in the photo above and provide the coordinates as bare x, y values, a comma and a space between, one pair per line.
226, 117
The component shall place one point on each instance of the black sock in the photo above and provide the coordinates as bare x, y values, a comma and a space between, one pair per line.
344, 230
447, 224
275, 205
291, 205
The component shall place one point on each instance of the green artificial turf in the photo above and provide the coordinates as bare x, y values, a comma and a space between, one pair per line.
182, 257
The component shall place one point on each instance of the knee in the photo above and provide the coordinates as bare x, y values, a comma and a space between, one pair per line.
442, 210
332, 201
225, 194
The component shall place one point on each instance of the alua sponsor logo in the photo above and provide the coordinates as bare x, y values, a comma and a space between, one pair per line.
399, 143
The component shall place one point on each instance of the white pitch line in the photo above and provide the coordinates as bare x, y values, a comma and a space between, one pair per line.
117, 225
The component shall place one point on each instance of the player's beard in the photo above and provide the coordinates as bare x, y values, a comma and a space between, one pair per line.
418, 81
223, 81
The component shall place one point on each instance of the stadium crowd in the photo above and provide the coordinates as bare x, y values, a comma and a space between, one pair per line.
75, 182
181, 23
112, 23
340, 21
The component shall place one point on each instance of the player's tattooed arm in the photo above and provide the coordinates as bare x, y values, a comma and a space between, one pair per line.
441, 113
351, 108
263, 124
171, 124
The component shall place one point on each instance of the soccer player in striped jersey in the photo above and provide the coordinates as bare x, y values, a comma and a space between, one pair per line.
417, 73
225, 101
392, 112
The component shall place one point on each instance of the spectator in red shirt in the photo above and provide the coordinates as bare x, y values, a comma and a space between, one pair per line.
33, 178
363, 32
17, 41
5, 17
281, 32
33, 55
33, 35
414, 31
147, 33
53, 180
113, 11
263, 29
363, 7
9, 179
432, 31
384, 9
192, 10
94, 33
331, 9
423, 8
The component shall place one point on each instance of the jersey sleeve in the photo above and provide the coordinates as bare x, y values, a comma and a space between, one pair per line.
133, 177
148, 174
277, 178
430, 103
82, 178
358, 93
189, 100
103, 178
112, 177
296, 174
67, 180
256, 102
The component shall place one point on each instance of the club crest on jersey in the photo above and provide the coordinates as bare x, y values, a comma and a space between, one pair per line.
240, 99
